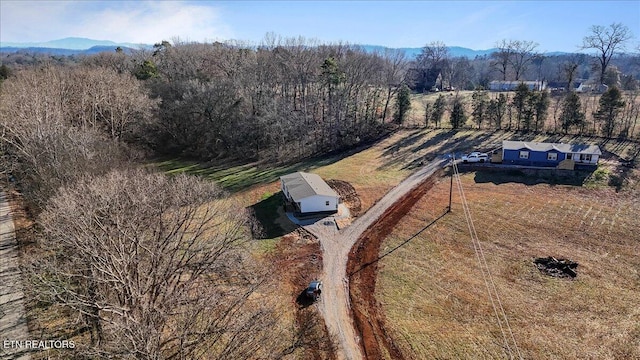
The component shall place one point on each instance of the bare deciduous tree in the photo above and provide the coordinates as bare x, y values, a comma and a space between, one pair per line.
155, 267
568, 70
606, 41
522, 54
502, 57
394, 73
57, 124
514, 53
432, 61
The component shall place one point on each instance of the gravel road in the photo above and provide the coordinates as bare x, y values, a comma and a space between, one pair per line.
335, 307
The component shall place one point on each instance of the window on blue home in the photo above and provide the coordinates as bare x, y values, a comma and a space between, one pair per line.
524, 154
585, 157
326, 203
552, 156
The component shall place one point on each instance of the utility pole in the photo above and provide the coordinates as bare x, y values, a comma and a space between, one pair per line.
451, 182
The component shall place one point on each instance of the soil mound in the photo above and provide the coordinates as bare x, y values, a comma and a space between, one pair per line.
348, 195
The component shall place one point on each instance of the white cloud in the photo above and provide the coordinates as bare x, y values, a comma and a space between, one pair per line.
137, 22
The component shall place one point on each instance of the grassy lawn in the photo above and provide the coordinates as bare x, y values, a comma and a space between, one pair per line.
430, 289
236, 177
372, 171
435, 300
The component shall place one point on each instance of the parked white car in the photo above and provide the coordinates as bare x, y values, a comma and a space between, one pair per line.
475, 157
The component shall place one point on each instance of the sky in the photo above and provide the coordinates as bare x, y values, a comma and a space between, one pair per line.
554, 25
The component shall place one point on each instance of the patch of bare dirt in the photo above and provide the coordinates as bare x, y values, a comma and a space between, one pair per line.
348, 195
296, 261
363, 270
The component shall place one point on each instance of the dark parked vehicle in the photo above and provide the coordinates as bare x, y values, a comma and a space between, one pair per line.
314, 290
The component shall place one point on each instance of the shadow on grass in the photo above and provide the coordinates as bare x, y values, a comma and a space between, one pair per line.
235, 176
499, 176
303, 300
270, 214
405, 148
626, 165
444, 142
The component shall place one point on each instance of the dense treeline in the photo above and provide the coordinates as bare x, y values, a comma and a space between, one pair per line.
59, 124
284, 99
292, 98
72, 131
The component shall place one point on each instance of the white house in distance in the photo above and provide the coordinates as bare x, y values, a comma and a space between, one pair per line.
498, 85
308, 193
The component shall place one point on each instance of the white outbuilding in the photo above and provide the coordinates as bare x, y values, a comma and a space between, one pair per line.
308, 193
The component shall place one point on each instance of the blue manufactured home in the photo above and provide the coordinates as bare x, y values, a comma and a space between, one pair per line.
549, 154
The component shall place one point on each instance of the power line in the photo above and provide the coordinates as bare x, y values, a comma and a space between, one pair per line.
484, 268
470, 227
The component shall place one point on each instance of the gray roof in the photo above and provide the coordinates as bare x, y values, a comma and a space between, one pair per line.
563, 148
301, 185
517, 82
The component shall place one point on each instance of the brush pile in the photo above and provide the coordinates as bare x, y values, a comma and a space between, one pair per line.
556, 267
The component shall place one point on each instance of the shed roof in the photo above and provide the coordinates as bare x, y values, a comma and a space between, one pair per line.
301, 185
563, 148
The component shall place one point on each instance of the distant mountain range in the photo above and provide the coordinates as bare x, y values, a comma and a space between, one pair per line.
75, 45
454, 51
54, 51
72, 43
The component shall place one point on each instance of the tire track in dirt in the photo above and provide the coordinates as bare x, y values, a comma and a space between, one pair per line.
297, 260
362, 268
336, 308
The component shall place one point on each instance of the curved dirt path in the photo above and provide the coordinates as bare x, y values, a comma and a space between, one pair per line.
336, 245
13, 323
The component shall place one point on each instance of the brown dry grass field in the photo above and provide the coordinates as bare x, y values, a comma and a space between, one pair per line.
417, 306
436, 303
377, 169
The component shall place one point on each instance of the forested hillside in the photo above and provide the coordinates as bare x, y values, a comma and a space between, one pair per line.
115, 251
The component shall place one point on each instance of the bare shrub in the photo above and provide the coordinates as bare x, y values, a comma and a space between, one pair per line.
154, 266
57, 124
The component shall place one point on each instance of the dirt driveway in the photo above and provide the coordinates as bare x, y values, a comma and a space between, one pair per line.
336, 245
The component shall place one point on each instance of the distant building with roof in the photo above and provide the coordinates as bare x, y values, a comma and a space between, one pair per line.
499, 85
308, 193
562, 156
